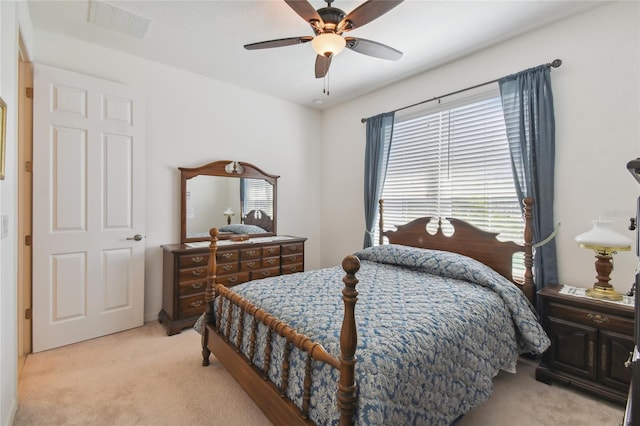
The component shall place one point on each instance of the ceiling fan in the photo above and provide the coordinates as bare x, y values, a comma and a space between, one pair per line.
328, 25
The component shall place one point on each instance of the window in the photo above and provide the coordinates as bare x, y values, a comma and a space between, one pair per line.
257, 194
453, 162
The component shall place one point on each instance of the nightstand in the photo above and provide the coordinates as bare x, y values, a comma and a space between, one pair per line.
590, 342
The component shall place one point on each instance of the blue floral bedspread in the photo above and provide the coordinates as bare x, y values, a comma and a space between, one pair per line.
433, 328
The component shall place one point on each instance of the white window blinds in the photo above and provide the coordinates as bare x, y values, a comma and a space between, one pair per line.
453, 163
257, 195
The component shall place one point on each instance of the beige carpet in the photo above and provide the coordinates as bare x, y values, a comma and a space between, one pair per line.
142, 377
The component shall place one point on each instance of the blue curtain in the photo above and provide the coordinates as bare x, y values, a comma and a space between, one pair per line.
379, 134
527, 102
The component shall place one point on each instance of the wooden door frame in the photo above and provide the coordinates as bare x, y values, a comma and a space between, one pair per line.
24, 200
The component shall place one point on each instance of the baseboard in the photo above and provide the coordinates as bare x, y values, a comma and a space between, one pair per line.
150, 318
12, 412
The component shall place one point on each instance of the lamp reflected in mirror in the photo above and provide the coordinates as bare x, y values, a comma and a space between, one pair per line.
605, 242
228, 213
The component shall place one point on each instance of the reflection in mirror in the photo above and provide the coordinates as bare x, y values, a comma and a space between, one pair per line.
235, 197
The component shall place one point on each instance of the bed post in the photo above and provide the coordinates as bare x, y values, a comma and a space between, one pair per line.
209, 294
347, 390
381, 221
528, 288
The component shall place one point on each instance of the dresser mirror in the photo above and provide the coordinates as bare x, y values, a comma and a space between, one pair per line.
237, 198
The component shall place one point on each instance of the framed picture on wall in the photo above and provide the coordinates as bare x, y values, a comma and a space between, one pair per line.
3, 135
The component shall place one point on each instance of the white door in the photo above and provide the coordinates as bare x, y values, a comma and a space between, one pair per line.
88, 208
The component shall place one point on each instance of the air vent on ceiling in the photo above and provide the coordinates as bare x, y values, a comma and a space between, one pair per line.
117, 19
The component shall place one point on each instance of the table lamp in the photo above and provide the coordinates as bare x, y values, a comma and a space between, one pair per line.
605, 242
228, 213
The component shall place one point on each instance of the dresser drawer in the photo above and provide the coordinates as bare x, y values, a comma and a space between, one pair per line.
234, 279
191, 305
226, 256
270, 251
192, 274
227, 268
191, 261
250, 253
271, 262
290, 269
192, 287
265, 273
250, 265
292, 258
288, 249
591, 318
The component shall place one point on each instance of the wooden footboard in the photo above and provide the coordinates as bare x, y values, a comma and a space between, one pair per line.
270, 398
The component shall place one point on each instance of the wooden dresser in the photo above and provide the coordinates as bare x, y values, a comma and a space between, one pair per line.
590, 342
185, 272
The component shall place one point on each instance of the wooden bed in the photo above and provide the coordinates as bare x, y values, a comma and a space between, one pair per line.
259, 218
466, 240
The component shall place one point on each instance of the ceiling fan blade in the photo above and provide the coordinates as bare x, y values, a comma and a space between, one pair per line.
373, 48
365, 13
322, 65
281, 42
305, 10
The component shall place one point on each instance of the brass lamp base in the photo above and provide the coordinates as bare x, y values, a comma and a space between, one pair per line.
604, 293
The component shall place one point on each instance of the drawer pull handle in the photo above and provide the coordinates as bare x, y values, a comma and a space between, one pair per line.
252, 252
271, 261
198, 272
196, 303
266, 273
292, 248
227, 267
293, 258
597, 318
251, 264
271, 250
233, 279
227, 255
197, 259
197, 285
590, 354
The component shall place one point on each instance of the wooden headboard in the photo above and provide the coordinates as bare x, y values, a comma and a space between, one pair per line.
469, 241
259, 218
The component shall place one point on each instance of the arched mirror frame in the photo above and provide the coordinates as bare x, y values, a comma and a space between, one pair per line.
223, 168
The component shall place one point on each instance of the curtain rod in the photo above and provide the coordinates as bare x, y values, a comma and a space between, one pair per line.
555, 64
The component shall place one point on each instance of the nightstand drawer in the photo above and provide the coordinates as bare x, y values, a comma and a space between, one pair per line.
591, 318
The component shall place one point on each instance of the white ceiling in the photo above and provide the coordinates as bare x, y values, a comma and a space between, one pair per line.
207, 37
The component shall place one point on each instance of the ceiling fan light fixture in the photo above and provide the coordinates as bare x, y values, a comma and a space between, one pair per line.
328, 44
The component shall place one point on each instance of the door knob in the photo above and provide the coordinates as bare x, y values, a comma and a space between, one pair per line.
136, 237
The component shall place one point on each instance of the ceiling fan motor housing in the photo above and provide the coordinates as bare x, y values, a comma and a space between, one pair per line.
331, 16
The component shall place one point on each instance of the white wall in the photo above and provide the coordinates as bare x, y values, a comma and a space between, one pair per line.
193, 120
596, 94
13, 18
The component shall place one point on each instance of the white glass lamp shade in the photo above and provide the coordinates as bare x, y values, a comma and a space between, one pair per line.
603, 237
228, 212
328, 44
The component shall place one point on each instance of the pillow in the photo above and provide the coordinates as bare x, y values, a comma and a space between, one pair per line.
238, 228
